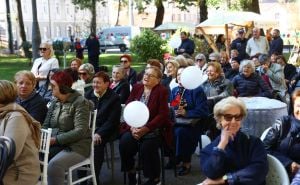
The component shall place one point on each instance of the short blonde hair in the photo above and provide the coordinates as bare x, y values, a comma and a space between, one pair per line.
217, 66
26, 73
121, 68
8, 92
225, 104
49, 46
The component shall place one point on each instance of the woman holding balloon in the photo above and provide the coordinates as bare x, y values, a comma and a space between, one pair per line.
191, 110
144, 135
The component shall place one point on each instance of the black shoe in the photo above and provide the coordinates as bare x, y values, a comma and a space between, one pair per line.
152, 182
184, 171
132, 178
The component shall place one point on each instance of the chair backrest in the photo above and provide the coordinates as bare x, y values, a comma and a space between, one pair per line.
264, 134
277, 174
205, 140
92, 124
7, 154
44, 152
122, 111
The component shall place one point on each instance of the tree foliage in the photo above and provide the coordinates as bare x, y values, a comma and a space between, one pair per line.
148, 45
90, 5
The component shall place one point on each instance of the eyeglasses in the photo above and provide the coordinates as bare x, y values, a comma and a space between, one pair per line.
123, 61
199, 60
229, 117
150, 75
82, 74
43, 49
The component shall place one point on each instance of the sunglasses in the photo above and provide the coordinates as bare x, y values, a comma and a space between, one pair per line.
199, 60
229, 117
123, 61
82, 74
43, 49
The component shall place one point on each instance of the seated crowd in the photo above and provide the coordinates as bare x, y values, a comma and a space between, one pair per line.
63, 99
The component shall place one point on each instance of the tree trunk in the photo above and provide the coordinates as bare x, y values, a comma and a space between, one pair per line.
119, 9
203, 10
21, 22
36, 35
251, 6
159, 13
9, 29
93, 21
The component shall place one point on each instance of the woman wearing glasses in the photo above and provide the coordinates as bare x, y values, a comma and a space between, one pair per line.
233, 157
155, 97
44, 64
125, 61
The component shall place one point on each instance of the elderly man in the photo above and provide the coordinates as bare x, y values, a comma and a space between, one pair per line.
276, 45
257, 44
200, 61
186, 46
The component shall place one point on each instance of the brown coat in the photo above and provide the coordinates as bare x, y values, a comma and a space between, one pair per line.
26, 160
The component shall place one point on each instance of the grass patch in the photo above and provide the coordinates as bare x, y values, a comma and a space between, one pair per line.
11, 64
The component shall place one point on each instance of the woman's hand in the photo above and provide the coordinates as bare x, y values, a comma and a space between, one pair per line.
294, 167
226, 136
208, 181
97, 139
137, 133
180, 111
52, 141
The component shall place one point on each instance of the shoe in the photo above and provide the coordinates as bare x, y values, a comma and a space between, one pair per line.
169, 165
184, 171
132, 179
152, 182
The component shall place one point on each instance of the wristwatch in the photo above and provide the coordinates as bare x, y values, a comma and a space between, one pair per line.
225, 178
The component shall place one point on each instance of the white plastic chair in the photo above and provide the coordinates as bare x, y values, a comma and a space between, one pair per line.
89, 161
44, 150
277, 174
264, 134
205, 140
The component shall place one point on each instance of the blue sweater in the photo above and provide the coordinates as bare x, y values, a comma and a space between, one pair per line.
244, 160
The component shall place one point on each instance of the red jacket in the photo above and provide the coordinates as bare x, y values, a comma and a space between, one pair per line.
158, 109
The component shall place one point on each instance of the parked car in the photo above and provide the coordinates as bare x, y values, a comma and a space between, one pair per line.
117, 37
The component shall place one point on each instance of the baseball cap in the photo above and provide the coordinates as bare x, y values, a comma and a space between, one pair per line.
241, 31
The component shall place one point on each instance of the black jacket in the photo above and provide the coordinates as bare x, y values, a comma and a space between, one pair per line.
123, 90
109, 112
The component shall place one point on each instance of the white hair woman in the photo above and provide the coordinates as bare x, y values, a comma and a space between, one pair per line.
234, 157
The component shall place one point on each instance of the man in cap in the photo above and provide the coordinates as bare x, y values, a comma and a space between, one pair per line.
234, 70
200, 61
240, 44
257, 44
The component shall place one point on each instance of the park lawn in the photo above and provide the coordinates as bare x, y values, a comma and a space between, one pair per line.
9, 65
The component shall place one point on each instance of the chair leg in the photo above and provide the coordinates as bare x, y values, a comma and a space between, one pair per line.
106, 157
162, 156
139, 164
124, 173
112, 158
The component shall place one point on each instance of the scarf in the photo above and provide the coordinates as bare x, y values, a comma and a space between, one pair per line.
34, 125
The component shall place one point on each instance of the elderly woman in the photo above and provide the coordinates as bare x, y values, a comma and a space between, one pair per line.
28, 98
108, 104
86, 72
248, 83
119, 83
216, 87
17, 124
68, 116
155, 97
282, 140
233, 157
190, 110
44, 64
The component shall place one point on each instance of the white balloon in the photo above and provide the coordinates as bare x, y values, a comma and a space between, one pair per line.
136, 114
191, 77
175, 42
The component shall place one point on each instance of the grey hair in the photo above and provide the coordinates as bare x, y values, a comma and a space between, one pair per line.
225, 104
246, 63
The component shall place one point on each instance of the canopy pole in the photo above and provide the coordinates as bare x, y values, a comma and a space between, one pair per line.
210, 42
227, 40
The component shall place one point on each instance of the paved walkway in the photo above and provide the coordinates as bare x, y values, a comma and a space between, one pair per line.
193, 178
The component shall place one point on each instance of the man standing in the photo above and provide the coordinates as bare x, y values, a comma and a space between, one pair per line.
186, 46
240, 44
93, 47
257, 44
276, 45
